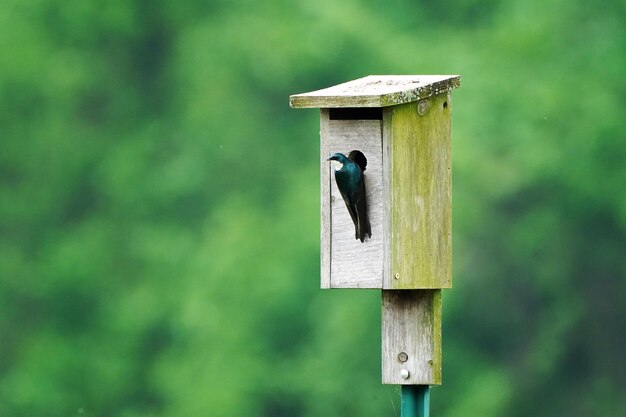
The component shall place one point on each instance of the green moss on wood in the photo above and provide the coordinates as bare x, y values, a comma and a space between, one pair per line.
420, 188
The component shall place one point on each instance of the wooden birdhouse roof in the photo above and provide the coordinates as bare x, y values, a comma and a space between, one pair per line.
376, 91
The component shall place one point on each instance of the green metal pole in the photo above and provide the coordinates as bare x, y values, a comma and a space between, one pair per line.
415, 401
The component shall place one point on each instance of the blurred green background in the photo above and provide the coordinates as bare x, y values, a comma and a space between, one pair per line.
159, 207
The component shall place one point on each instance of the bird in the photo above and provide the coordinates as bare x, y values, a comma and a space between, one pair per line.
351, 183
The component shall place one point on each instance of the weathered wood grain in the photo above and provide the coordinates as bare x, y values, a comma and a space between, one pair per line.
387, 158
417, 147
352, 264
408, 182
325, 227
411, 336
376, 91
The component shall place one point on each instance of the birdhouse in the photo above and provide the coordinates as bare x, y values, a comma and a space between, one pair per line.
396, 232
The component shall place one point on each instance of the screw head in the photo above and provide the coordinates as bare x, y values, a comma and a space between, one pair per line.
403, 357
404, 373
397, 275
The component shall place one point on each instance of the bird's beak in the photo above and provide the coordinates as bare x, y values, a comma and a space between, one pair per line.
332, 158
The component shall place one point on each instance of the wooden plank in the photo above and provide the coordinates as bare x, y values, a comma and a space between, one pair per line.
411, 337
377, 91
387, 238
325, 227
353, 264
420, 214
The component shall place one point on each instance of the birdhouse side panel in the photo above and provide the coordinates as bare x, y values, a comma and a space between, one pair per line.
346, 261
418, 142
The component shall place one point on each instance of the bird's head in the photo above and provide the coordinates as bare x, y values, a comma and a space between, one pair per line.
339, 157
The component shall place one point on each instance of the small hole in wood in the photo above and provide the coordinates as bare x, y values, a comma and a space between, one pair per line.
445, 104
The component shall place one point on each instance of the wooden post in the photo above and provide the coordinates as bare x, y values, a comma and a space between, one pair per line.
411, 337
402, 125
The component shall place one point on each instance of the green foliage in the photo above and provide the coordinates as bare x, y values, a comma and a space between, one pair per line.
159, 250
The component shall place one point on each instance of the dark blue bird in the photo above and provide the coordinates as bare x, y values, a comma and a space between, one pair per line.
351, 183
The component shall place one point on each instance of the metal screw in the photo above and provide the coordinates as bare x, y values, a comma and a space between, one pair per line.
403, 357
430, 362
397, 275
404, 373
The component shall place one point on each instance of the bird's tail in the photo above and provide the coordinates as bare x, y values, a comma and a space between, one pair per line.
363, 228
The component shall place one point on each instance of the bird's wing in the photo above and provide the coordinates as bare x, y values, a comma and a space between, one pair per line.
363, 222
351, 208
346, 198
